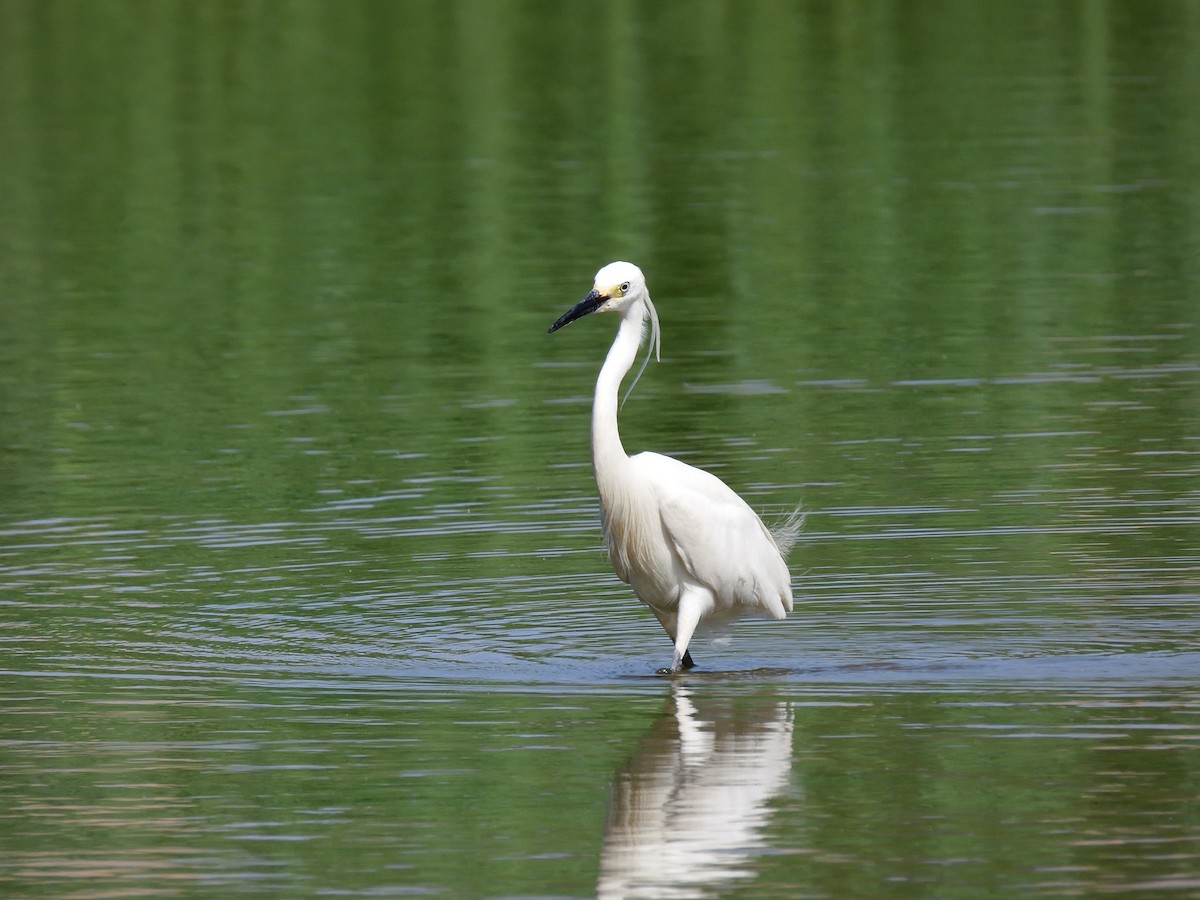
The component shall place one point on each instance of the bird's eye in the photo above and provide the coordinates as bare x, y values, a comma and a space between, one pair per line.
625, 287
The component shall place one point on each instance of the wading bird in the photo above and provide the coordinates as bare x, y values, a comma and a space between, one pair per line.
691, 549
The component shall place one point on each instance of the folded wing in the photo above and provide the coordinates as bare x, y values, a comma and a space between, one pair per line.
718, 540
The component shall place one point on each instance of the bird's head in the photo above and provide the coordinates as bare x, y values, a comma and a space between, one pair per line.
617, 287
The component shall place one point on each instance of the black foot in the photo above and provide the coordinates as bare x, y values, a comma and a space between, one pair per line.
678, 665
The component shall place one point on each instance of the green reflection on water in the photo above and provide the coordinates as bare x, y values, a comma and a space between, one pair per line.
275, 285
493, 793
216, 215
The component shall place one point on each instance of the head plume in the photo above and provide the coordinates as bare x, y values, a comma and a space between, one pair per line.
649, 325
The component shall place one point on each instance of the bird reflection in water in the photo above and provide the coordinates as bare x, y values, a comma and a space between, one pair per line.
688, 810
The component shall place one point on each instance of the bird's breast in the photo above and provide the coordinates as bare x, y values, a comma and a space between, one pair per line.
637, 547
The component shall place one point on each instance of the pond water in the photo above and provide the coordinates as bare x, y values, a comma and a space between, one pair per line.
301, 586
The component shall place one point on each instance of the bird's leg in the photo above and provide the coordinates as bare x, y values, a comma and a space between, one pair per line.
674, 668
678, 665
691, 608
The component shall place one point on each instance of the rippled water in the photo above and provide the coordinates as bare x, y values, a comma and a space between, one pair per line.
995, 692
301, 586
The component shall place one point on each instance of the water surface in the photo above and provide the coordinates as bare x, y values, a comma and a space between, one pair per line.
301, 590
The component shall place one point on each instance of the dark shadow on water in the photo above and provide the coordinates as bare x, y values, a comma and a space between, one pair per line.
1057, 668
765, 672
789, 673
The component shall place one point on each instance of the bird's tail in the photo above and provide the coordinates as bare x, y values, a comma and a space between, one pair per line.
787, 530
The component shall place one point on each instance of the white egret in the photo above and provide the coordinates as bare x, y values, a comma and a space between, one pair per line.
691, 548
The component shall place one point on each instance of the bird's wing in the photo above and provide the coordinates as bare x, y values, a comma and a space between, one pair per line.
719, 540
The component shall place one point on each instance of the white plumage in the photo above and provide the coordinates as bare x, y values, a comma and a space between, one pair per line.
691, 548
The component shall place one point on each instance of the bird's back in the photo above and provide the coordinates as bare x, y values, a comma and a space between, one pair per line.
713, 538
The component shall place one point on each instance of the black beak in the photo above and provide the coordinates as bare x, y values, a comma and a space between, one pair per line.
588, 304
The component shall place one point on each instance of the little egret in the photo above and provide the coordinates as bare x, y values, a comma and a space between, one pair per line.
691, 548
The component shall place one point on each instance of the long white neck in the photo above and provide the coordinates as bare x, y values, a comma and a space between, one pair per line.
608, 455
